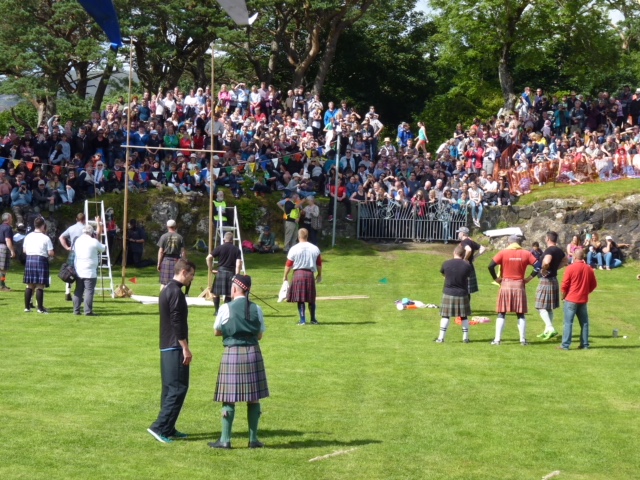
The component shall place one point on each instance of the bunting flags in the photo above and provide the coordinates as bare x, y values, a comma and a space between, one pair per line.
168, 175
119, 174
133, 280
16, 163
155, 174
132, 175
180, 174
57, 169
216, 172
229, 170
275, 162
144, 176
104, 13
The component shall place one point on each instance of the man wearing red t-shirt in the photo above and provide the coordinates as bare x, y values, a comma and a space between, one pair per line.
341, 197
578, 282
512, 298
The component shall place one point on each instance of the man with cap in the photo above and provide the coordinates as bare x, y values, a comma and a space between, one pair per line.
242, 376
513, 262
578, 282
43, 198
170, 250
291, 219
455, 295
472, 250
7, 250
267, 241
175, 355
305, 260
548, 292
67, 240
229, 264
87, 255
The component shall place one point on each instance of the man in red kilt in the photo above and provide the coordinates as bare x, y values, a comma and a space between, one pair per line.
305, 261
242, 376
455, 295
512, 297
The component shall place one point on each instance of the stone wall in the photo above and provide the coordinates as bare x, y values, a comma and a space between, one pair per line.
568, 217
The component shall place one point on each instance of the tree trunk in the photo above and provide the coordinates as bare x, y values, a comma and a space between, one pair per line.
82, 80
104, 82
327, 58
506, 79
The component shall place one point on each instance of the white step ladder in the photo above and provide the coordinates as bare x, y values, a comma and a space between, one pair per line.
235, 229
104, 268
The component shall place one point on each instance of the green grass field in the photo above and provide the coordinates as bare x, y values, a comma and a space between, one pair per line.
77, 394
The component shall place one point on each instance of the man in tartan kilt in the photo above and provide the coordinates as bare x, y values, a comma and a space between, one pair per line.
7, 251
242, 376
305, 260
38, 248
230, 264
512, 297
455, 296
548, 292
170, 250
472, 250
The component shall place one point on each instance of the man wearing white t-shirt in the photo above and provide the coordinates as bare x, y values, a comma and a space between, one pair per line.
67, 240
87, 259
305, 261
38, 248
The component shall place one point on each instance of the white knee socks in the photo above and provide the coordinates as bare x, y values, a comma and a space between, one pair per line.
444, 324
522, 328
499, 328
547, 318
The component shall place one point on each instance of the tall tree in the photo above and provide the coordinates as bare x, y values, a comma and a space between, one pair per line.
49, 47
505, 33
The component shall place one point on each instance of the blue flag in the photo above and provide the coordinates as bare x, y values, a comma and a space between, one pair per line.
104, 13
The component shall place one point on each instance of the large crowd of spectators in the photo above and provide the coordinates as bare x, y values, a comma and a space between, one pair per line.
265, 140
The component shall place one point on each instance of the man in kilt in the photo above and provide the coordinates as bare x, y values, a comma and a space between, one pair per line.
512, 297
305, 260
38, 248
229, 264
175, 354
7, 251
471, 251
548, 292
170, 250
242, 376
455, 295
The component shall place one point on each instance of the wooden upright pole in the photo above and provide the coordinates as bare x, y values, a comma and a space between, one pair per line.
125, 218
211, 183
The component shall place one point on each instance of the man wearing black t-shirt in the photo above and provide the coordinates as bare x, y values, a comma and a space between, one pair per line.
548, 292
471, 251
229, 264
6, 249
455, 295
175, 355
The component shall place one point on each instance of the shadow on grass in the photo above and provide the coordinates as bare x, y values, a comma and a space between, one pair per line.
295, 445
348, 323
242, 435
621, 347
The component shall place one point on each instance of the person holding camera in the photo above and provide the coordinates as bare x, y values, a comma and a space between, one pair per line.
21, 199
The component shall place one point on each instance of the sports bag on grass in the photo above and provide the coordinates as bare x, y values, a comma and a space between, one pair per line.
67, 273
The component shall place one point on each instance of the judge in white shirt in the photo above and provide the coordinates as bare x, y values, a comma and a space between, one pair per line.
88, 251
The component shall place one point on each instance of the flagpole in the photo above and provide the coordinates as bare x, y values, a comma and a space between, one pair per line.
211, 183
125, 220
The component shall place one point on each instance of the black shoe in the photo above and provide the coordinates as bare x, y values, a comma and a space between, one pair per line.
68, 298
438, 340
255, 444
219, 444
466, 340
315, 322
91, 314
